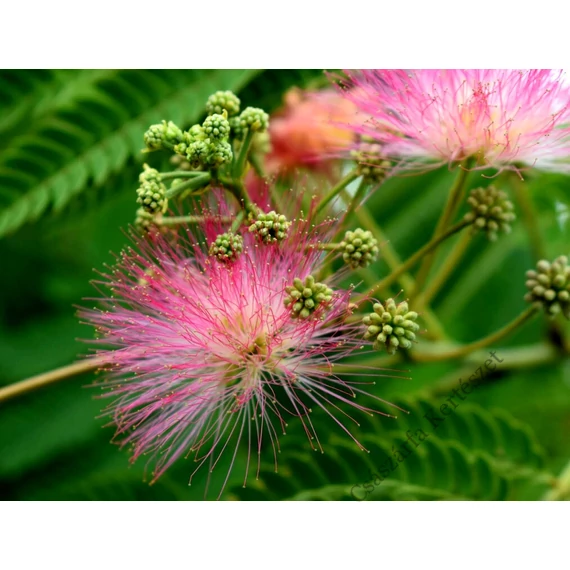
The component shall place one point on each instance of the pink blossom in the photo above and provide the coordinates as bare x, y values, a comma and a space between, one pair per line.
501, 118
201, 353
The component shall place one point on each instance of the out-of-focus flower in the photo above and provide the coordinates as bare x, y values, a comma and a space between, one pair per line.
308, 130
499, 118
202, 354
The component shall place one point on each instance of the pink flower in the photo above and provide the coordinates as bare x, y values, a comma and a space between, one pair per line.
501, 118
306, 131
201, 353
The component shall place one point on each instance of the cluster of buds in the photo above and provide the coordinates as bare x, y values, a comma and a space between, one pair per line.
491, 211
209, 145
359, 248
152, 192
549, 286
305, 297
226, 247
165, 135
391, 326
270, 227
370, 162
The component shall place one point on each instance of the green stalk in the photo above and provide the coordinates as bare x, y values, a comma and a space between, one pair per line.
239, 165
528, 217
41, 380
445, 270
336, 190
435, 330
453, 201
356, 199
194, 184
175, 220
180, 174
411, 261
425, 356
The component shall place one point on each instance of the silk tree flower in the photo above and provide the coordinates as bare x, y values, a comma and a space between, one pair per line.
198, 353
503, 119
306, 132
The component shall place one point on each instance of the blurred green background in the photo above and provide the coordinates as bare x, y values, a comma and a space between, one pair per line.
69, 162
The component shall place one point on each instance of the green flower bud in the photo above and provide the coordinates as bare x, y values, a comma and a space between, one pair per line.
219, 152
359, 248
549, 286
236, 130
227, 247
152, 192
164, 135
391, 326
197, 153
216, 127
491, 211
371, 163
270, 227
254, 119
306, 297
144, 221
223, 101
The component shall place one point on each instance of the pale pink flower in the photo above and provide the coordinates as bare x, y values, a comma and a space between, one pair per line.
503, 119
306, 131
202, 353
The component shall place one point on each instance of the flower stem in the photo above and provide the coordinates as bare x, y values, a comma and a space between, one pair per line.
428, 356
445, 270
239, 164
238, 221
411, 261
435, 329
356, 199
193, 184
175, 220
51, 377
526, 206
180, 174
453, 201
336, 190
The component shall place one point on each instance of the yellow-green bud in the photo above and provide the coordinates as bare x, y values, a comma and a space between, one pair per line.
270, 227
152, 191
391, 326
549, 286
359, 248
491, 211
305, 297
223, 101
254, 119
226, 247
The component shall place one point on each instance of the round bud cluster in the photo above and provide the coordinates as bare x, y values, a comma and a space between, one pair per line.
491, 211
226, 247
164, 135
223, 100
152, 192
549, 286
237, 130
306, 297
197, 153
359, 248
219, 153
254, 119
216, 127
371, 164
144, 221
391, 326
270, 227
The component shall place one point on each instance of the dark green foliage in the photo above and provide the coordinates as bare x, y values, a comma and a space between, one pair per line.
473, 454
